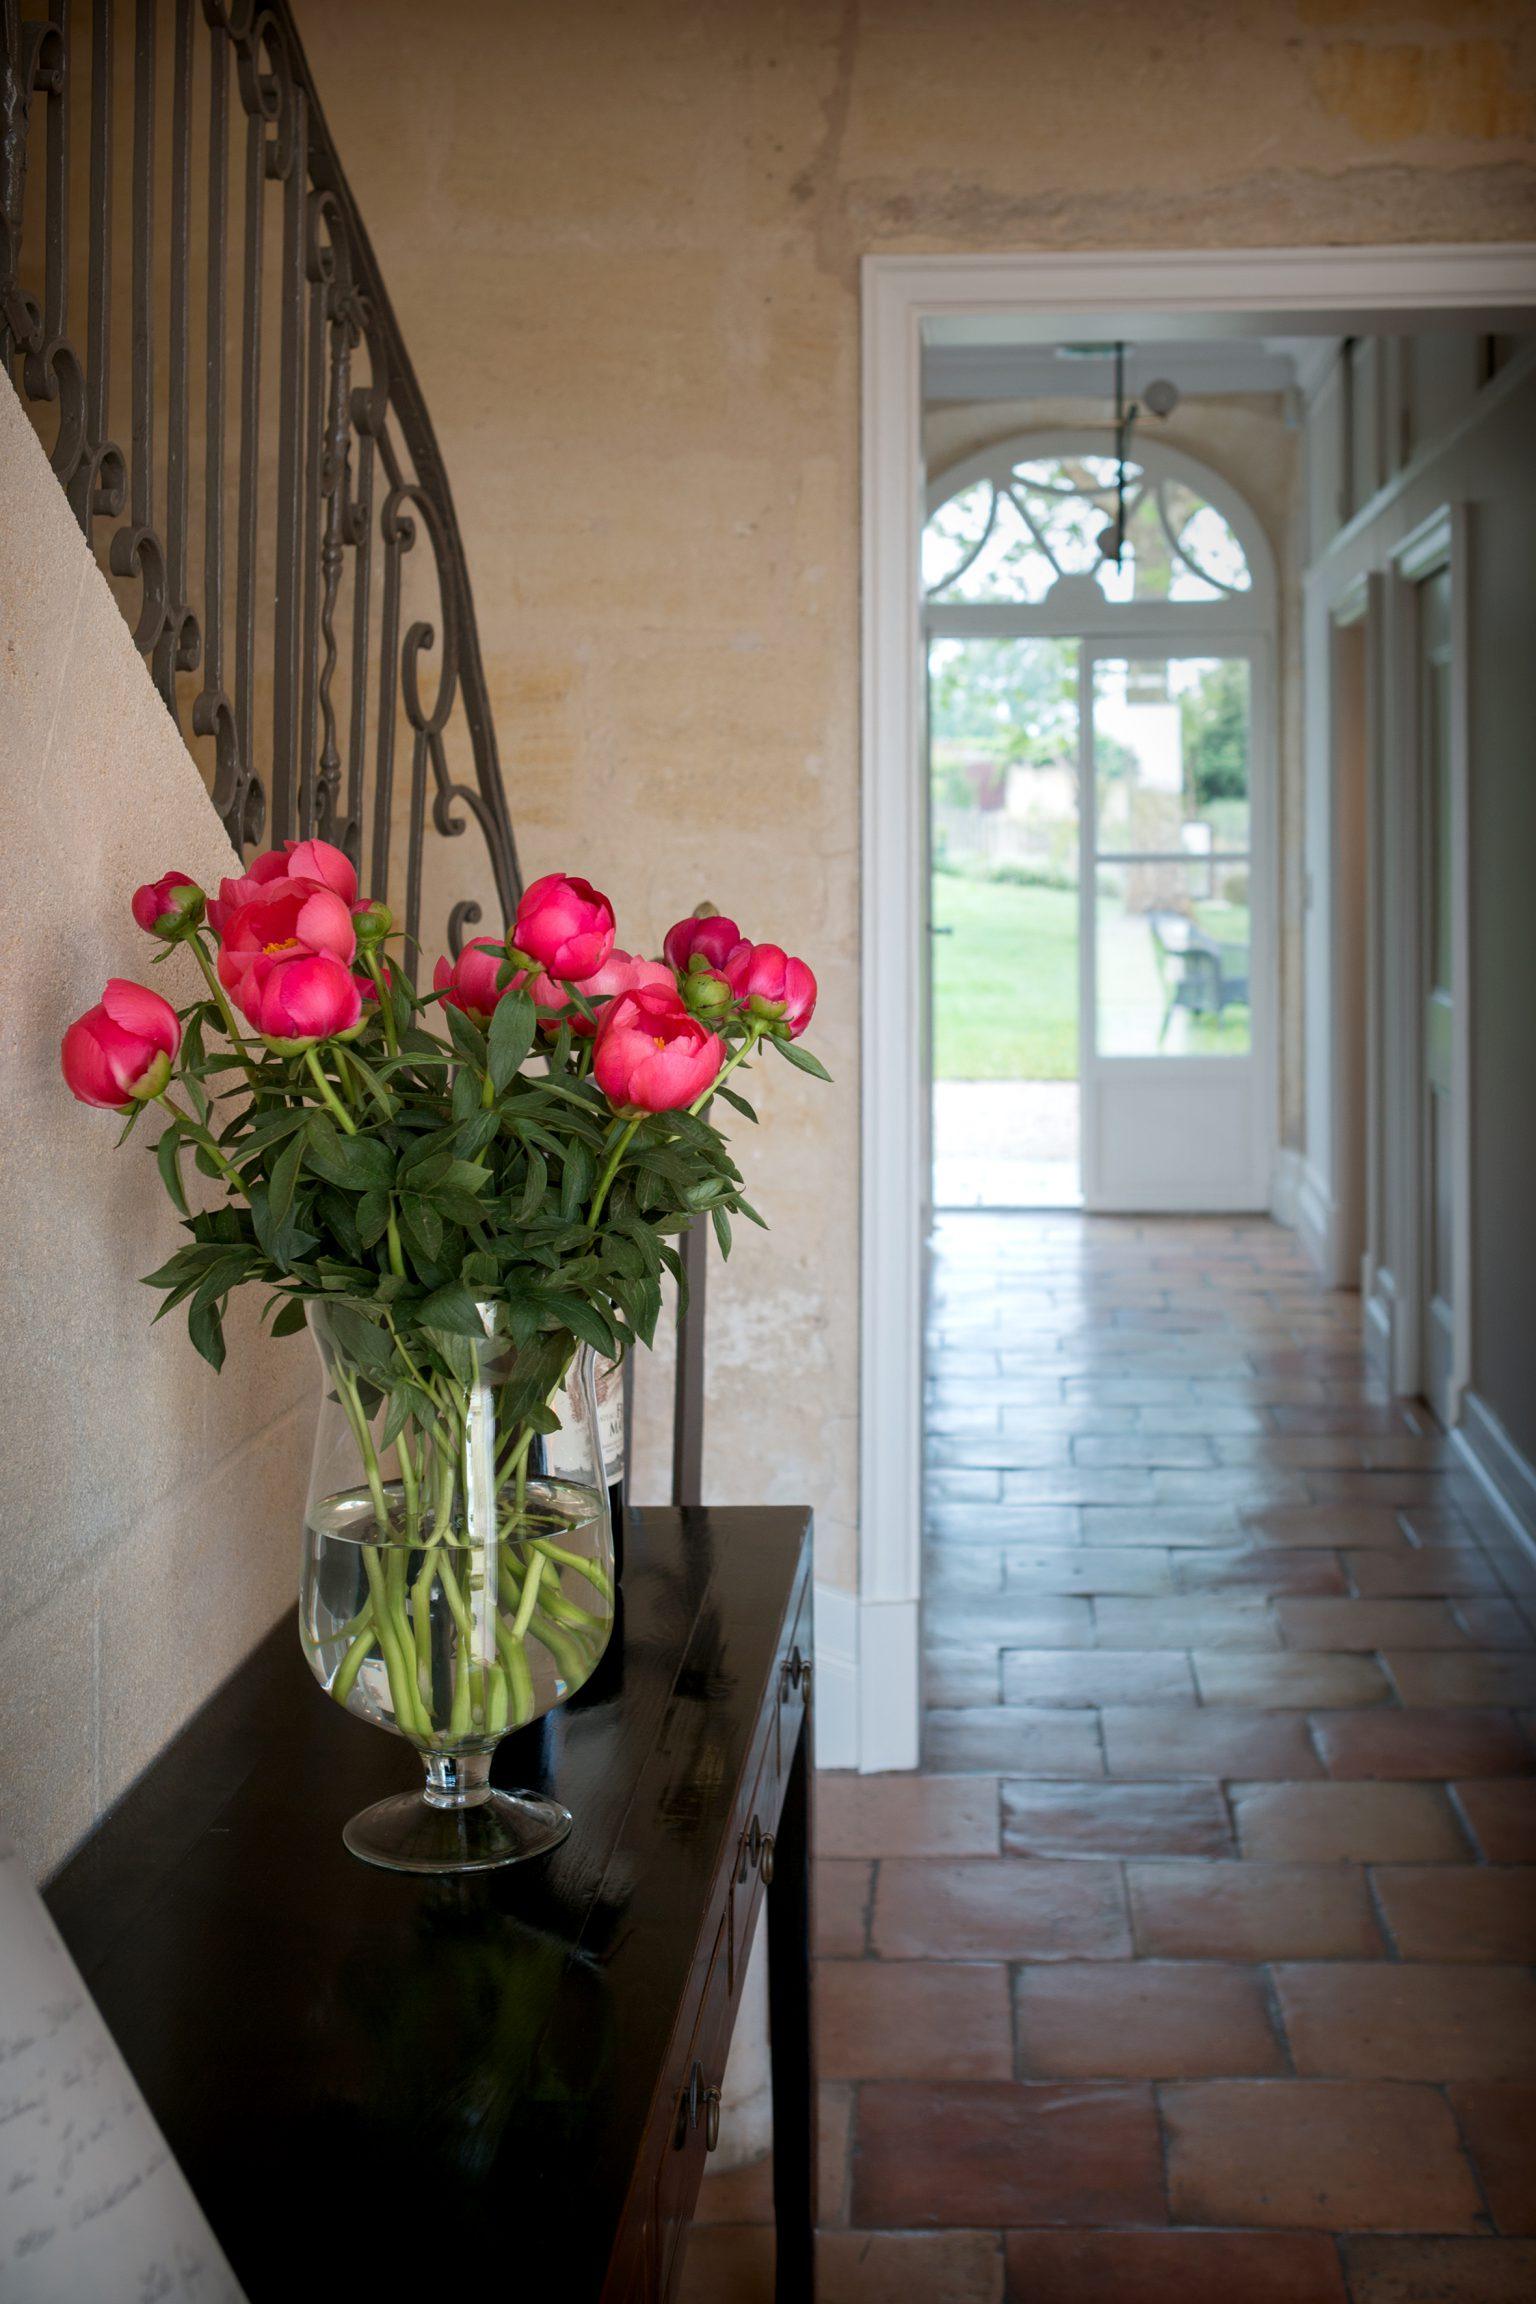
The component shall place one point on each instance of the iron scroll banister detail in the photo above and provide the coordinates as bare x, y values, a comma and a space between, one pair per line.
260, 481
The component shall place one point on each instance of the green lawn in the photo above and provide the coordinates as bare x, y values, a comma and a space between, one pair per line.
1005, 983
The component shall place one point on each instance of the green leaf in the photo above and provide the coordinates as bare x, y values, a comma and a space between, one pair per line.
535, 1184
360, 1338
356, 1163
372, 1218
290, 1319
740, 1102
454, 1310
513, 1024
206, 1330
467, 1036
422, 1223
801, 1058
285, 1182
722, 1224
168, 1156
582, 1319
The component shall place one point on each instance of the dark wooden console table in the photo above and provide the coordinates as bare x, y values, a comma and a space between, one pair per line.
390, 2088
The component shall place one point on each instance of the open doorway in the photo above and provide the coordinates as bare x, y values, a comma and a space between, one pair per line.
1099, 627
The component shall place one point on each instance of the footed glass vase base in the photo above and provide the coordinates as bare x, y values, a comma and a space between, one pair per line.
415, 1833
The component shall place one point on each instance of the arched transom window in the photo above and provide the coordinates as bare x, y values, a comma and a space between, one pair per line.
1021, 525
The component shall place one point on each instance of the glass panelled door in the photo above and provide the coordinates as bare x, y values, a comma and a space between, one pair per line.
1174, 935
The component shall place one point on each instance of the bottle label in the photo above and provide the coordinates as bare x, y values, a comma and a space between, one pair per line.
565, 1451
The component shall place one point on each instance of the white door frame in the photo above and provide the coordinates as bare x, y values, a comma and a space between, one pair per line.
1126, 290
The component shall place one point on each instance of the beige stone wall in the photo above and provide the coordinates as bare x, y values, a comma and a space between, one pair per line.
150, 1509
1248, 439
624, 239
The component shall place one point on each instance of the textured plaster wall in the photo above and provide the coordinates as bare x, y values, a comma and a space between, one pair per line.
150, 1509
624, 239
1248, 440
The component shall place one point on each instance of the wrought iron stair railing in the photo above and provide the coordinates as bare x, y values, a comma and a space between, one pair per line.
218, 375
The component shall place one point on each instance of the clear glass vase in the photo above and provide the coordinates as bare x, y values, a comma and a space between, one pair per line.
458, 1576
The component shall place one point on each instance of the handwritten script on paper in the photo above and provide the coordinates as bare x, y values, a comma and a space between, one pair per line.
93, 2209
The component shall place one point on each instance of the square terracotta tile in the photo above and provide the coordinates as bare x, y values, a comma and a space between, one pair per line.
1014, 1620
906, 2268
1408, 2020
1434, 1569
1194, 1620
1088, 1569
1004, 1910
1459, 1911
1314, 1524
1435, 1743
1290, 1682
734, 2260
1502, 1815
1042, 1676
834, 2141
1172, 2268
1185, 1527
955, 1677
1498, 2121
906, 1816
843, 1891
1206, 1740
1265, 1568
1343, 1823
1002, 2153
1011, 1739
1143, 2020
1441, 2271
913, 2020
1369, 1625
1489, 1677
1184, 1819
1318, 2155
1495, 1623
1248, 1911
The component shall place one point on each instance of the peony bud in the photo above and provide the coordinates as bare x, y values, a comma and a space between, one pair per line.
772, 989
704, 940
120, 1052
170, 907
470, 981
294, 999
564, 926
372, 923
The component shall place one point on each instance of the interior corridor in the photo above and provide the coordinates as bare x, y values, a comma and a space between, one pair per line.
1192, 1965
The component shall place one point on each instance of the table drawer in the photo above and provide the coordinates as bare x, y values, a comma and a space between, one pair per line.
694, 2124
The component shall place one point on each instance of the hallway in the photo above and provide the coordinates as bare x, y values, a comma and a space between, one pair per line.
1192, 1964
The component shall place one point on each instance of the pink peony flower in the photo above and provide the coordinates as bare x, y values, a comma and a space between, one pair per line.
650, 1055
713, 938
470, 981
295, 997
168, 907
282, 920
564, 925
772, 987
315, 861
120, 1052
620, 972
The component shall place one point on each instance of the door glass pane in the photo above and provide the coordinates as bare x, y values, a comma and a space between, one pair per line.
1171, 739
1003, 753
1172, 954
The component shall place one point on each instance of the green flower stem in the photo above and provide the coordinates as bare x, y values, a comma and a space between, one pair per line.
611, 1169
495, 1700
328, 1095
588, 1568
221, 1002
386, 1004
519, 1678
409, 1711
392, 1234
347, 1393
754, 1034
572, 1660
351, 1663
200, 1135
530, 1594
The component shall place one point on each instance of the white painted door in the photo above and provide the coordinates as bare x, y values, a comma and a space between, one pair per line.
1438, 1213
1175, 977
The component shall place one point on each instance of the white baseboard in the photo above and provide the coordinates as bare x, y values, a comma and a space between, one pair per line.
1507, 1477
1314, 1218
837, 1677
868, 1713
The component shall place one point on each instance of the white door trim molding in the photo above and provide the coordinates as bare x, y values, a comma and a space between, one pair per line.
1125, 291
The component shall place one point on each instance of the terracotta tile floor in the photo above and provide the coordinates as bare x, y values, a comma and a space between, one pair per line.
1192, 1966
